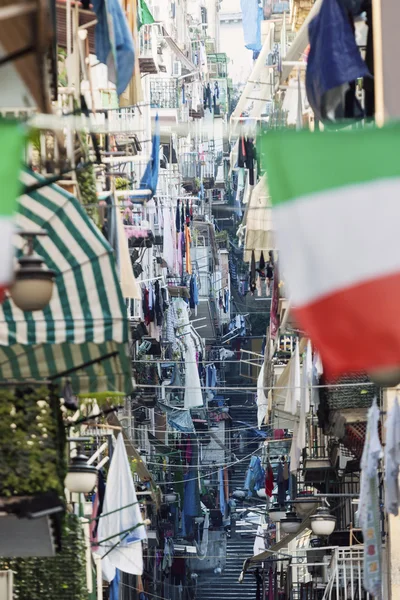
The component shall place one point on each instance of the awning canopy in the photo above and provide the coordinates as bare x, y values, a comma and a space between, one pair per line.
82, 335
259, 229
186, 63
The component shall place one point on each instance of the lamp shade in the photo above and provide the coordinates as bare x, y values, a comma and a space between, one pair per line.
305, 503
323, 523
291, 523
33, 285
386, 377
276, 513
170, 497
81, 477
239, 494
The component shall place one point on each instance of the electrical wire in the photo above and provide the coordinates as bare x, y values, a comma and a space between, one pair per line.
235, 429
167, 362
255, 389
198, 466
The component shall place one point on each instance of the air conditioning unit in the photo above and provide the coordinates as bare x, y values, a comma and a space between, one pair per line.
6, 585
176, 68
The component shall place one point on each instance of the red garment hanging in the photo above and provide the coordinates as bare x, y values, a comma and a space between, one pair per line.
269, 481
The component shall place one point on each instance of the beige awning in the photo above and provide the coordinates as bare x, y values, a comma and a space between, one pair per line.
191, 67
259, 229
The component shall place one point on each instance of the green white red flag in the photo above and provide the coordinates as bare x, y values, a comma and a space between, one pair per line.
12, 138
336, 210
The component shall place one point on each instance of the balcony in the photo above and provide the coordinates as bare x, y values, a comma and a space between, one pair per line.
148, 45
164, 93
207, 162
343, 410
329, 574
190, 170
217, 65
316, 457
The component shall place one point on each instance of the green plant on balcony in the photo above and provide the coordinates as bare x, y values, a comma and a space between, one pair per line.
62, 577
121, 183
222, 239
32, 442
62, 68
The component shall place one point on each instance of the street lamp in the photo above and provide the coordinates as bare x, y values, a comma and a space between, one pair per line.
32, 288
81, 477
291, 523
386, 376
323, 523
276, 513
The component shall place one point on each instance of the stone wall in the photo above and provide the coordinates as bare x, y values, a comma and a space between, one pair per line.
300, 10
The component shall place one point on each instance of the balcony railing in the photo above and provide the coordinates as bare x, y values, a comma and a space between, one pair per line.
190, 165
346, 575
164, 93
148, 43
351, 392
207, 161
217, 65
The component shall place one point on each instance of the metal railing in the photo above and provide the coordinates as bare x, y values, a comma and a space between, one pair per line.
207, 161
164, 92
346, 575
190, 165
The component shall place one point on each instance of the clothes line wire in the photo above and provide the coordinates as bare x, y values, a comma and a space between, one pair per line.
255, 389
212, 464
202, 466
188, 467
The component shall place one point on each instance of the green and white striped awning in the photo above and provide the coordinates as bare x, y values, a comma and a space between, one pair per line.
82, 336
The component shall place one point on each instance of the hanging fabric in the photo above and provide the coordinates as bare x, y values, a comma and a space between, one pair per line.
252, 15
293, 394
392, 459
169, 253
121, 514
262, 401
129, 285
150, 176
178, 418
334, 64
269, 480
188, 239
306, 378
253, 273
369, 511
114, 42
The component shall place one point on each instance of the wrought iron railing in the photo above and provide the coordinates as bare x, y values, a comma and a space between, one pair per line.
207, 160
190, 165
164, 93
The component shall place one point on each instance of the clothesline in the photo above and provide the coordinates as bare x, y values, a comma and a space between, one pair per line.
255, 388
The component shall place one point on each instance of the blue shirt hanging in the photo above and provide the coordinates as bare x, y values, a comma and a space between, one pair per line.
114, 42
334, 62
252, 15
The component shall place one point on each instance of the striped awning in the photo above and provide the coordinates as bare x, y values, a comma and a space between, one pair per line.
82, 335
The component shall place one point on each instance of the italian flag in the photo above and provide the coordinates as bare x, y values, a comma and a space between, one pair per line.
12, 138
336, 210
